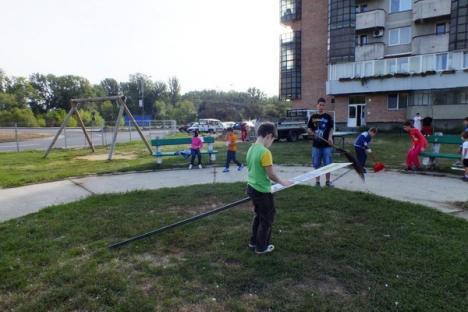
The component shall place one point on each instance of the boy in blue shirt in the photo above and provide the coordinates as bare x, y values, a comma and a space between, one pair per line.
362, 145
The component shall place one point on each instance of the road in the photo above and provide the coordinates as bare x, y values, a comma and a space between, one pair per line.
72, 138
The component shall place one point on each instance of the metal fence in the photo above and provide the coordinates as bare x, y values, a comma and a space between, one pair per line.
15, 137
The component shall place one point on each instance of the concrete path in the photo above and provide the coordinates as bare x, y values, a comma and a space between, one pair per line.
436, 192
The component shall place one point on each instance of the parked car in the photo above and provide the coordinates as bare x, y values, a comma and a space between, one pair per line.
228, 124
184, 128
207, 125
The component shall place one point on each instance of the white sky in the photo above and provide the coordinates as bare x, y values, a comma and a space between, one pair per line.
207, 44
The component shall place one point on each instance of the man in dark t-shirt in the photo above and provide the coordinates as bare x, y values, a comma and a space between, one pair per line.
320, 126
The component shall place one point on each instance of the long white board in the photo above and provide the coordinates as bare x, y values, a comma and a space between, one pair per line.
310, 175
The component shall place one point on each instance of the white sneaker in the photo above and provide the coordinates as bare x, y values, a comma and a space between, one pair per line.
200, 166
269, 249
190, 166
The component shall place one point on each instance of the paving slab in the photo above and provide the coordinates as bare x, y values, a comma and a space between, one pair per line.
436, 192
20, 201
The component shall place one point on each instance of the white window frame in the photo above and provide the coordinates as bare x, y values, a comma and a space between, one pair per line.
465, 64
398, 102
399, 6
399, 36
446, 62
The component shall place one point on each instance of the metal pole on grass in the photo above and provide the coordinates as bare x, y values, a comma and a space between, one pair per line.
186, 221
16, 137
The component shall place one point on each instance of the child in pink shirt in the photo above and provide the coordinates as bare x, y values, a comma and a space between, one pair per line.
195, 148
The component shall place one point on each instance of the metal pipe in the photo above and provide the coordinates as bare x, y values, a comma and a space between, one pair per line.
177, 224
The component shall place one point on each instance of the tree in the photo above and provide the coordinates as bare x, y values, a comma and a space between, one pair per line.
41, 83
110, 86
174, 90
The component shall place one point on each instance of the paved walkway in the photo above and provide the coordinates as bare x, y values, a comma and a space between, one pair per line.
436, 192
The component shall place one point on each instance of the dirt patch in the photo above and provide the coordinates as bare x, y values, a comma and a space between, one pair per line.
311, 225
160, 260
11, 136
101, 157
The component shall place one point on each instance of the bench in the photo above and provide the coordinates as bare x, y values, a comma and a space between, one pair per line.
159, 154
437, 141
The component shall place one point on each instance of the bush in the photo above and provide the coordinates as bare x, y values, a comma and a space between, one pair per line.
55, 118
23, 117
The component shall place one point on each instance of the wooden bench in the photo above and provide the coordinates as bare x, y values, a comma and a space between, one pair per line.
159, 154
437, 141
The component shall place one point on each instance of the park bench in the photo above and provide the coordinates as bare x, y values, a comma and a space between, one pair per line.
159, 143
437, 141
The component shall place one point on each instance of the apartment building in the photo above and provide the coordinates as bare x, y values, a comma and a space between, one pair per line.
384, 60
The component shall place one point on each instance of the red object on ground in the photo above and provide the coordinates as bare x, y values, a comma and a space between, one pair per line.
378, 166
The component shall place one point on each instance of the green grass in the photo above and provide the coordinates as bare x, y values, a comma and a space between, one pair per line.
336, 251
22, 168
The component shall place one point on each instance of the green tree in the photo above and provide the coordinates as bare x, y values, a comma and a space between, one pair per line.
23, 117
174, 90
110, 86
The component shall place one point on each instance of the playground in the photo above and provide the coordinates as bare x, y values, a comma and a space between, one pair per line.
374, 245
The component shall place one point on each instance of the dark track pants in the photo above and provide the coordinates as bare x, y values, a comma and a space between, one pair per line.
231, 156
264, 208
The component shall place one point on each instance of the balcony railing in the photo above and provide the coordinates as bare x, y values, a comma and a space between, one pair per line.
426, 64
290, 10
433, 43
372, 51
430, 9
370, 20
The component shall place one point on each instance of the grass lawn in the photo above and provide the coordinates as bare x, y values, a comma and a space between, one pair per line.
336, 251
22, 168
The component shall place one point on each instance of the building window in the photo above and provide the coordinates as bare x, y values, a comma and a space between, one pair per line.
422, 98
361, 8
400, 5
398, 36
391, 66
342, 31
465, 60
441, 61
440, 29
397, 101
403, 65
290, 10
290, 66
363, 40
459, 25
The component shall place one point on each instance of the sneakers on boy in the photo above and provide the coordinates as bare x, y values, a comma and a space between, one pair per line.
190, 166
329, 184
200, 166
226, 170
269, 249
240, 167
252, 246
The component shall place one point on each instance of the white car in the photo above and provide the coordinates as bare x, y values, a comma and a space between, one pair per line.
228, 124
207, 125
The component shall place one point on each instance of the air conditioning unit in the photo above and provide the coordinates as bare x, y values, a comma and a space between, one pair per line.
378, 33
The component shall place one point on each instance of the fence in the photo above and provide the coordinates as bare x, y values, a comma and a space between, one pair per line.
16, 137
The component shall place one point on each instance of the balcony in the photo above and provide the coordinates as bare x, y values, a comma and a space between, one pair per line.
370, 20
431, 9
419, 72
373, 51
430, 44
290, 10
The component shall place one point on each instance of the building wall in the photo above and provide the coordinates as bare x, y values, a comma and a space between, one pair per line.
314, 28
377, 111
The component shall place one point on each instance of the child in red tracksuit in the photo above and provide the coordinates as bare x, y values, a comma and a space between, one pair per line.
419, 144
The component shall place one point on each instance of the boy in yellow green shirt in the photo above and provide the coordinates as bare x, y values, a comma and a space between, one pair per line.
260, 165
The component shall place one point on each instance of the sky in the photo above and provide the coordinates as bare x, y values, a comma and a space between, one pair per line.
207, 44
